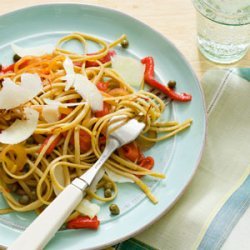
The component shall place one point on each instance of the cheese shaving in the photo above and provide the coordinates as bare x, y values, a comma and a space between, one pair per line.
87, 208
51, 113
20, 130
89, 92
70, 73
130, 69
59, 104
60, 179
35, 51
29, 87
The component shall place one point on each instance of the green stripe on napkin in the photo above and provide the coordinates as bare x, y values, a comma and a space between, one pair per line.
133, 244
243, 73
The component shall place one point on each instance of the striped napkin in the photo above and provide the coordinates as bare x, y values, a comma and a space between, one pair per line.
214, 211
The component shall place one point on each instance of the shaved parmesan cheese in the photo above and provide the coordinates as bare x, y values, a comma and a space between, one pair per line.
29, 87
60, 179
70, 73
20, 130
87, 208
72, 104
51, 102
89, 92
51, 113
59, 104
131, 70
35, 51
117, 178
98, 177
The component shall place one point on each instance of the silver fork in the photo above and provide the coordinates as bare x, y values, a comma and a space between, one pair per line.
162, 96
44, 227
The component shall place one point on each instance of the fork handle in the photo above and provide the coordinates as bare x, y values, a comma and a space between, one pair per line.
44, 227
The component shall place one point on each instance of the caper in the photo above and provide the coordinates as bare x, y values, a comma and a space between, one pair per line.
172, 84
114, 209
108, 185
107, 193
16, 58
26, 167
24, 199
125, 43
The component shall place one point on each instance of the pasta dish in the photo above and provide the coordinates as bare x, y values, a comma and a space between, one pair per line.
55, 106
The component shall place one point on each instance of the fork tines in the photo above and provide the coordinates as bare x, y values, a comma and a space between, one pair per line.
162, 96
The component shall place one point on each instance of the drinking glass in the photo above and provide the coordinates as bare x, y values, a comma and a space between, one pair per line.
223, 29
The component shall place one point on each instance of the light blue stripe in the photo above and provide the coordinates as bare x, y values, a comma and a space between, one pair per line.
227, 218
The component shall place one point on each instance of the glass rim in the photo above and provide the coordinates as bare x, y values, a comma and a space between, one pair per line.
235, 19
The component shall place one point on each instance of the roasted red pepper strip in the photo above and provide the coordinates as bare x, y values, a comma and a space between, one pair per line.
102, 140
149, 79
52, 145
102, 86
9, 68
147, 162
83, 222
131, 151
105, 59
105, 111
84, 139
78, 64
